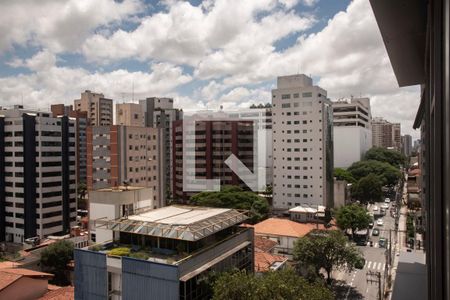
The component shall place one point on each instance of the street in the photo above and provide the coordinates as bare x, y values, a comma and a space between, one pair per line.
364, 284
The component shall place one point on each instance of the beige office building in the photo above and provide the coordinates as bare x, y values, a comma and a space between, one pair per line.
99, 109
386, 134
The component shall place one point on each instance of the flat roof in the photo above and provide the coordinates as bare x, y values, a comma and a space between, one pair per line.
307, 209
120, 189
190, 223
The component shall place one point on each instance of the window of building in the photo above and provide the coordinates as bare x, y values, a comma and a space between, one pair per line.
285, 96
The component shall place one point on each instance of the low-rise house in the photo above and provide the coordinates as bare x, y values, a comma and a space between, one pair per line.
284, 232
307, 213
23, 284
265, 260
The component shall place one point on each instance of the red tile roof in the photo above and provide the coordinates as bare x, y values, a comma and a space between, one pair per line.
285, 227
263, 261
64, 293
6, 279
263, 244
27, 273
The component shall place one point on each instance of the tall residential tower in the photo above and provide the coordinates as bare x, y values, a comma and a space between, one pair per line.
302, 143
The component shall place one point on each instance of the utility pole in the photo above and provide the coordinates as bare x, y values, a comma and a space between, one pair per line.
379, 286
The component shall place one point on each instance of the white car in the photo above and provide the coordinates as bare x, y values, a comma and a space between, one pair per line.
380, 222
375, 208
385, 205
387, 200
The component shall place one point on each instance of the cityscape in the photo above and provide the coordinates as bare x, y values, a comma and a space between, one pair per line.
267, 149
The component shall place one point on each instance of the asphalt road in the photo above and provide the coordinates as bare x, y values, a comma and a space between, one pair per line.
363, 284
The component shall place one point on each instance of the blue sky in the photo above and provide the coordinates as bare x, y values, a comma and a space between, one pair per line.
204, 53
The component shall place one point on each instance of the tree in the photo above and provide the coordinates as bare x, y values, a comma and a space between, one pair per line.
352, 216
327, 250
342, 174
368, 189
277, 285
234, 197
388, 174
391, 157
81, 193
54, 259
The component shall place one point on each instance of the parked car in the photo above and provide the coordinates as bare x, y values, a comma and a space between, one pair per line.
380, 222
385, 205
371, 224
387, 200
382, 243
375, 232
375, 208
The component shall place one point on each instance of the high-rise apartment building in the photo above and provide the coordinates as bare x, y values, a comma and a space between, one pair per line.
37, 174
302, 126
203, 152
407, 145
81, 123
125, 155
99, 109
352, 133
160, 113
386, 134
129, 114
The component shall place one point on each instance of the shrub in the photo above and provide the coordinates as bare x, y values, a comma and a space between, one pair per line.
121, 251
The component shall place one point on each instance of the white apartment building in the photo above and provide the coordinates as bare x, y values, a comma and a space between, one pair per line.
302, 143
352, 132
386, 134
37, 174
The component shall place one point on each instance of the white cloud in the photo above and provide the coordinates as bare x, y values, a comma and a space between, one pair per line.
187, 34
62, 85
41, 61
58, 25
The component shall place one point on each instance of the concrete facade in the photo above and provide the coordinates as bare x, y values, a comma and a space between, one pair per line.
302, 143
125, 154
129, 114
37, 174
160, 113
407, 145
352, 132
114, 203
99, 109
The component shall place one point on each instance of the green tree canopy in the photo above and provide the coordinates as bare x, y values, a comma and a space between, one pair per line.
342, 174
327, 250
352, 216
276, 285
388, 174
234, 197
54, 259
368, 189
391, 157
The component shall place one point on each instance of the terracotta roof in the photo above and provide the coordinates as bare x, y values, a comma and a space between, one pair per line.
263, 261
263, 244
27, 273
9, 264
6, 279
64, 293
285, 227
415, 172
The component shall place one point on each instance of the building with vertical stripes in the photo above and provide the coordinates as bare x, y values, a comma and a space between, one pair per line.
37, 174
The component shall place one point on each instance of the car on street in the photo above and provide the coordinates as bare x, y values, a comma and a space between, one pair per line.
387, 200
376, 232
385, 205
380, 222
371, 224
382, 242
375, 208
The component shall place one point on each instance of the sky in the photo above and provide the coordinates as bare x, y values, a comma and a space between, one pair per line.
203, 53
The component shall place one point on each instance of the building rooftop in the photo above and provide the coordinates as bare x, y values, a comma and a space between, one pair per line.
190, 223
285, 227
118, 189
307, 209
265, 262
263, 244
61, 293
9, 276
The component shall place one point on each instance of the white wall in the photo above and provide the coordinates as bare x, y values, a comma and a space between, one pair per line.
350, 145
